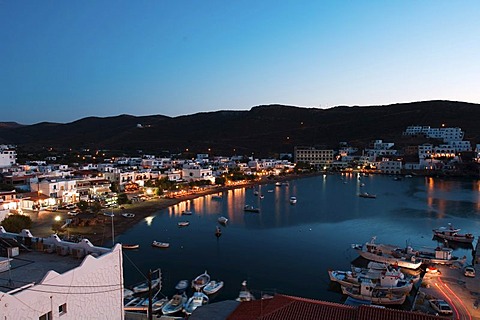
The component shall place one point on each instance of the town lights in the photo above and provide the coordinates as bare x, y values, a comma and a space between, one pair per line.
58, 218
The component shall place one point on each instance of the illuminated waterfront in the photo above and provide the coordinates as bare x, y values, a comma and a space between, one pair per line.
289, 248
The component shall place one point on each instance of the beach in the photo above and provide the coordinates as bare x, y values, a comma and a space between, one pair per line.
100, 234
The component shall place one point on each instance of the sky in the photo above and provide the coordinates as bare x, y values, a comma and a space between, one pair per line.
61, 61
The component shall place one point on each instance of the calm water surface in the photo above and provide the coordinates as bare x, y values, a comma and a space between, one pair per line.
289, 248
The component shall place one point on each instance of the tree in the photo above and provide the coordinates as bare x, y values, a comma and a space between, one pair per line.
16, 222
122, 198
82, 206
96, 207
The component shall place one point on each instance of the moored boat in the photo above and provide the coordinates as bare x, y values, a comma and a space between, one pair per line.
222, 220
248, 208
245, 294
201, 281
367, 195
187, 213
159, 244
197, 300
183, 223
366, 291
175, 304
392, 279
213, 287
384, 253
181, 285
452, 234
130, 246
293, 200
144, 286
128, 215
217, 197
218, 232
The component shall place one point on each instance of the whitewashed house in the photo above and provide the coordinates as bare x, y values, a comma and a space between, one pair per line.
194, 172
63, 280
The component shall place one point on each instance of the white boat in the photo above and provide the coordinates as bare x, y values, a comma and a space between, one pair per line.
213, 287
187, 213
366, 291
255, 193
197, 300
157, 305
392, 279
160, 244
127, 293
223, 220
130, 246
278, 184
175, 304
367, 195
248, 208
144, 287
201, 281
452, 234
293, 200
183, 223
182, 285
384, 253
128, 215
245, 294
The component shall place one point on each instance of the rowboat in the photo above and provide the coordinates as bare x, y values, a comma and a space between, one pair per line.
130, 246
293, 200
182, 285
248, 208
218, 232
222, 220
144, 286
201, 281
175, 304
197, 300
213, 287
160, 244
183, 223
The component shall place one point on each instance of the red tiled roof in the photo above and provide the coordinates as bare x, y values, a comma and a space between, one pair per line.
282, 307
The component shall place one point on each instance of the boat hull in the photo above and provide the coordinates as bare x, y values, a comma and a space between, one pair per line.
386, 258
382, 297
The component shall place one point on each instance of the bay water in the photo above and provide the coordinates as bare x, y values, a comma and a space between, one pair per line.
287, 248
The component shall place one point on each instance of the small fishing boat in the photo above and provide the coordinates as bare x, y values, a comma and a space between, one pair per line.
187, 213
213, 287
197, 300
175, 304
262, 196
144, 286
255, 193
367, 291
182, 285
128, 215
127, 293
367, 195
245, 294
222, 220
452, 234
248, 208
201, 281
183, 223
218, 232
293, 200
130, 246
217, 197
160, 244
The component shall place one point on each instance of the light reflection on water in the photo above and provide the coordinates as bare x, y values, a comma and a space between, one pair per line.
302, 241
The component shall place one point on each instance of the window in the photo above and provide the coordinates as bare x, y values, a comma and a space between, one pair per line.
62, 309
46, 316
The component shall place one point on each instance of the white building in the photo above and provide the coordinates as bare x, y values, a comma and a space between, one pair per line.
194, 172
446, 134
87, 282
8, 156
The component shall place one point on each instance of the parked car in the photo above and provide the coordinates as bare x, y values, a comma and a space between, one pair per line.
70, 206
52, 208
441, 306
469, 271
108, 214
72, 213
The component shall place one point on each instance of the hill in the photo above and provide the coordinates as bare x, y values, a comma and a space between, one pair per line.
263, 130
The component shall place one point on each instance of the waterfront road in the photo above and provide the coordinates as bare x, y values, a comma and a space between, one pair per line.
449, 284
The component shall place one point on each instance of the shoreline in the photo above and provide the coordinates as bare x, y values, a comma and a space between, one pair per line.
101, 234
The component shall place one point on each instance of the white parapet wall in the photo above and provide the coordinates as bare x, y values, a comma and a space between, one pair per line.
91, 290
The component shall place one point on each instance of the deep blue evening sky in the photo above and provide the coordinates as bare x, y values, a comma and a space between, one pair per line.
64, 60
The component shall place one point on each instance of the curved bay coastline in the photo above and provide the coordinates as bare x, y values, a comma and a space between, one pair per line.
100, 234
